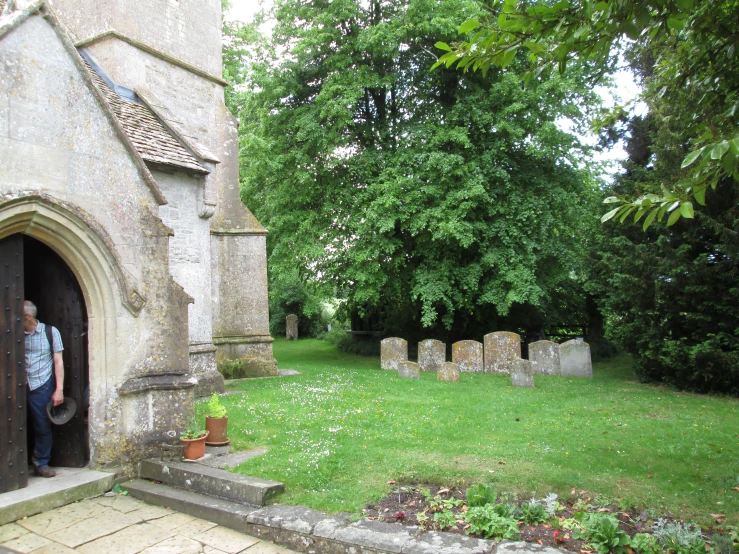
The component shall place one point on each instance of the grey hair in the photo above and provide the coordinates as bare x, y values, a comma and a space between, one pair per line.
30, 308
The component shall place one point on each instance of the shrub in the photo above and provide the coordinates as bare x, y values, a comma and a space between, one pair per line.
602, 532
215, 408
479, 495
485, 521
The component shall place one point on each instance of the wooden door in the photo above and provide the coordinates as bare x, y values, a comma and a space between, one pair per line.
13, 468
52, 286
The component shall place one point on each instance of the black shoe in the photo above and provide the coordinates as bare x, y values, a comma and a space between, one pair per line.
45, 471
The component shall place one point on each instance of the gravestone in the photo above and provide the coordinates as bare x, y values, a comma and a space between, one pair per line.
448, 372
409, 370
467, 354
544, 357
431, 354
574, 359
502, 349
291, 327
392, 351
522, 375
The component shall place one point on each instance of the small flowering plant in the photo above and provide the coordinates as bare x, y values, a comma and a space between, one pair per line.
558, 537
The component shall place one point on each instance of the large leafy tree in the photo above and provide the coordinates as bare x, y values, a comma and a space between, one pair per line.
426, 198
693, 44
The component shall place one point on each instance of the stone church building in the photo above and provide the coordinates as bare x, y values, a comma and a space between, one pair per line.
120, 218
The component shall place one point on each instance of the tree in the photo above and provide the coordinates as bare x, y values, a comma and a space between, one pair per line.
693, 44
430, 199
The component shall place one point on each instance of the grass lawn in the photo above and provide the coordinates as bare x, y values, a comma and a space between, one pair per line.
340, 431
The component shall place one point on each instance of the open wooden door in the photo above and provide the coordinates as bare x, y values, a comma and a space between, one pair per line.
51, 285
13, 451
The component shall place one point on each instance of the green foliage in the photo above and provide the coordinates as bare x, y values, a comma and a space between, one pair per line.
439, 504
194, 430
679, 537
644, 543
216, 409
723, 543
438, 202
445, 519
533, 513
680, 36
602, 532
485, 521
480, 494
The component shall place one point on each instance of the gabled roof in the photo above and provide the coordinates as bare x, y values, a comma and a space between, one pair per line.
152, 140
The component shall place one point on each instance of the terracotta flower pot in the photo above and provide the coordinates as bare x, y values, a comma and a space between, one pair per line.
217, 430
194, 449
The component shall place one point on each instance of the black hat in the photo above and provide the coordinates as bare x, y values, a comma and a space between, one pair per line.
62, 413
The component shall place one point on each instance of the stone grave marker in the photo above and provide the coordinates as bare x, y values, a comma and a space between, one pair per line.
467, 354
502, 349
544, 357
574, 359
409, 370
522, 374
431, 354
392, 351
291, 327
448, 372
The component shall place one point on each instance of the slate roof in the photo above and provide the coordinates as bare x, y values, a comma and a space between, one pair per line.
152, 140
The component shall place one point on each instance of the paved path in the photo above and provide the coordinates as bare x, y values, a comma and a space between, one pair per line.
118, 524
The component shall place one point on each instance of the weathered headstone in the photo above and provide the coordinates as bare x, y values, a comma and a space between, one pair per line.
448, 372
522, 375
409, 370
574, 359
291, 327
392, 351
431, 354
467, 354
502, 349
544, 357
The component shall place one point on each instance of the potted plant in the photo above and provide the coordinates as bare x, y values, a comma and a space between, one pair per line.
193, 441
216, 422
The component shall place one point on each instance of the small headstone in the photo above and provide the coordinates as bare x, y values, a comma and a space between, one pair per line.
467, 354
431, 354
409, 370
392, 351
502, 349
544, 357
522, 375
448, 372
574, 359
291, 327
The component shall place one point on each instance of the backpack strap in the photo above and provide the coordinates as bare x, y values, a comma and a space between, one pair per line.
49, 329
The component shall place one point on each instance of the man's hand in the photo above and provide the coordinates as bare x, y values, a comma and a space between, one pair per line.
58, 397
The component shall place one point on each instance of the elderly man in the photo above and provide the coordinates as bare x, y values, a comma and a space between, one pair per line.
41, 357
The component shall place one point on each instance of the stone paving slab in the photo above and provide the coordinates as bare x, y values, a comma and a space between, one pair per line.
130, 540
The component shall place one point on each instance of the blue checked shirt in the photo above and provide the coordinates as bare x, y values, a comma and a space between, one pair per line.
39, 360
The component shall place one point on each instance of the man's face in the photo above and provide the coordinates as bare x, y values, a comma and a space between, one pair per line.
29, 322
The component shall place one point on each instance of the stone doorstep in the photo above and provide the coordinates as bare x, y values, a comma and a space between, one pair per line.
211, 481
309, 531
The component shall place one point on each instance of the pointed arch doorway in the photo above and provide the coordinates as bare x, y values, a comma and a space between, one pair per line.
33, 271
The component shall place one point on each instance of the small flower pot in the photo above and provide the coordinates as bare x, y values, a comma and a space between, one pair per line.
217, 430
194, 449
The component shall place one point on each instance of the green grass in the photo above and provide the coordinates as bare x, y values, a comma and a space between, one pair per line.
340, 431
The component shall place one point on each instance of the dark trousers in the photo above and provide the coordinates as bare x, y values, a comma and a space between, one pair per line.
37, 400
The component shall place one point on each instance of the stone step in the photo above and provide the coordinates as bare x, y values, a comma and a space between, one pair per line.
69, 485
211, 481
216, 510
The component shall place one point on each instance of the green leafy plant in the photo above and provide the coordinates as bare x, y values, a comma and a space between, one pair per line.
445, 519
479, 495
215, 408
644, 543
439, 504
602, 532
679, 537
722, 543
533, 513
423, 520
485, 521
504, 509
193, 431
